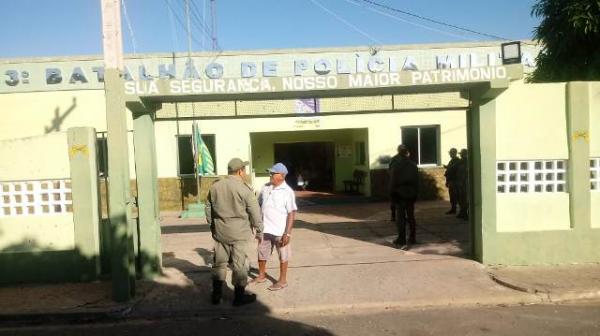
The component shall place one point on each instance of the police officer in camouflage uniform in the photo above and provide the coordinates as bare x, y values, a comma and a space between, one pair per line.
404, 189
232, 212
462, 176
452, 180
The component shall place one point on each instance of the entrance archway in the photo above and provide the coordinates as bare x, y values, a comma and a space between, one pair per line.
481, 116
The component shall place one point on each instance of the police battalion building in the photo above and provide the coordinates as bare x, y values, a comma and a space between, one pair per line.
326, 139
319, 130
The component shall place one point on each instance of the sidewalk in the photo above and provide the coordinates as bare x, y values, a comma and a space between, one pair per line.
342, 259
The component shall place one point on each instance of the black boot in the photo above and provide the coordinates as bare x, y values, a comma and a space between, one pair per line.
451, 211
241, 298
217, 293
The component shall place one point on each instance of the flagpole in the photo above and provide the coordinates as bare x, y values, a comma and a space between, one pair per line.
196, 158
197, 182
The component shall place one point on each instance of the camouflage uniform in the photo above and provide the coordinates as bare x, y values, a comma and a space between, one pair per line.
232, 211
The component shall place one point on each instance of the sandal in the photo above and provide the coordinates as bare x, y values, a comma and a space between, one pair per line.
277, 286
257, 281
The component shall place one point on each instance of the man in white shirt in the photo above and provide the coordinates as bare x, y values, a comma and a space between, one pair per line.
278, 204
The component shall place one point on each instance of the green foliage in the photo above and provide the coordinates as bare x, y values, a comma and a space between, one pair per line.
569, 33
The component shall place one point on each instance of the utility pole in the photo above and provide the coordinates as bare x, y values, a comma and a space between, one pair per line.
119, 193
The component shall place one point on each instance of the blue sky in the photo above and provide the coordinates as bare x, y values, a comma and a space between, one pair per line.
73, 27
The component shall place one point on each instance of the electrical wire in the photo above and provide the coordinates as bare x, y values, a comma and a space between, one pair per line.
339, 18
374, 3
179, 20
218, 50
462, 37
199, 23
131, 33
128, 22
174, 38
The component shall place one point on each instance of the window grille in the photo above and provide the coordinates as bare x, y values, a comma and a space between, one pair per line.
531, 176
26, 198
595, 174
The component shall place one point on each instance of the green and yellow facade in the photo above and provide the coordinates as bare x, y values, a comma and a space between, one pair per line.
363, 102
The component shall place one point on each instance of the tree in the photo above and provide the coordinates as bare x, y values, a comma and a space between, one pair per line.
569, 35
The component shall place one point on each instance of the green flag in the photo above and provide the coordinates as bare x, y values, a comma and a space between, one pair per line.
204, 161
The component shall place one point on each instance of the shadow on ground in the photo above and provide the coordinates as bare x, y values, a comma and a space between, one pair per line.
192, 294
437, 233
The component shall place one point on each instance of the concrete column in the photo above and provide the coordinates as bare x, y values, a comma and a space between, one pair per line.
86, 199
119, 194
578, 167
149, 255
482, 166
481, 134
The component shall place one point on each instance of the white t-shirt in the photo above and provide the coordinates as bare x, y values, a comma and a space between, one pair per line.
276, 203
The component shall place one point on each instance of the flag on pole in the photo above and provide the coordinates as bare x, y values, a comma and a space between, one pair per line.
202, 158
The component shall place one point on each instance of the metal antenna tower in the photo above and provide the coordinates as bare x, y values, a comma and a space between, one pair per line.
189, 31
213, 19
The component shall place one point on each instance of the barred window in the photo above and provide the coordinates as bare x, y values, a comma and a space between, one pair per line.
531, 176
595, 174
26, 198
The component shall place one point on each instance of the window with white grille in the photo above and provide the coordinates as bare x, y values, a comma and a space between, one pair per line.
531, 176
26, 198
595, 174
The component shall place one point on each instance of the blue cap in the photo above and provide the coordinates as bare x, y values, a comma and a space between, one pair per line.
278, 168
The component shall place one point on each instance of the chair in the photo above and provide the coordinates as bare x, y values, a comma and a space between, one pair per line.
354, 185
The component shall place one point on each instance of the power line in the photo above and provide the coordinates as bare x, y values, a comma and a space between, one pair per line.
173, 30
407, 21
374, 3
346, 22
179, 20
219, 52
212, 36
199, 23
131, 35
196, 14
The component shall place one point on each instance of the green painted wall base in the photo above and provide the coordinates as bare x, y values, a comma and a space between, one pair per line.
46, 267
534, 248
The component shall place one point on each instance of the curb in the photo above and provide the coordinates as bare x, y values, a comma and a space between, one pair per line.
548, 296
517, 287
128, 313
343, 308
15, 320
574, 296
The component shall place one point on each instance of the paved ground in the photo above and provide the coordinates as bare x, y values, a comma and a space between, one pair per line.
343, 260
580, 319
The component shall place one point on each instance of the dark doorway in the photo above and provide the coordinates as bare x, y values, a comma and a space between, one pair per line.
314, 161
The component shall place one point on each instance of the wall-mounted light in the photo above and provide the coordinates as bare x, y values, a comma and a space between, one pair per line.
511, 52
